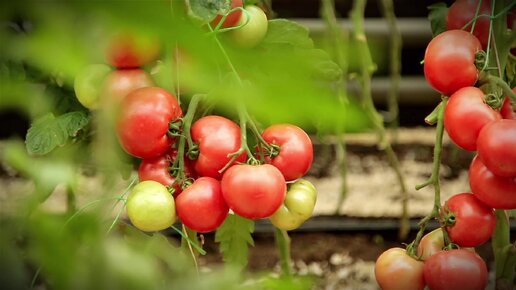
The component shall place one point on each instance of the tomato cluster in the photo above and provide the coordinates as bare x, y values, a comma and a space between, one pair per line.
445, 258
218, 178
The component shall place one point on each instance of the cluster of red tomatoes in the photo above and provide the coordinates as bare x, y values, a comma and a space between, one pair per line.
222, 179
467, 218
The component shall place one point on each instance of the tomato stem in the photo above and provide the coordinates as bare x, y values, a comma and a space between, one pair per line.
179, 163
367, 67
499, 82
283, 243
434, 177
218, 28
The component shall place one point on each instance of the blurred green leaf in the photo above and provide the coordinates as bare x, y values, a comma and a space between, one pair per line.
234, 236
283, 31
49, 132
206, 10
437, 17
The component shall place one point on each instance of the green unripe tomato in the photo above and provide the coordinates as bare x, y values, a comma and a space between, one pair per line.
252, 33
88, 84
151, 207
298, 206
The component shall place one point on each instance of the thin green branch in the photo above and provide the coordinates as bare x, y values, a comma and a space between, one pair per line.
283, 244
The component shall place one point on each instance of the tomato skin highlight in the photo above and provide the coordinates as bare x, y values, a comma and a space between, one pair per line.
232, 17
395, 270
462, 11
253, 191
495, 191
455, 269
450, 61
217, 137
201, 206
497, 147
143, 121
465, 115
151, 207
474, 221
296, 151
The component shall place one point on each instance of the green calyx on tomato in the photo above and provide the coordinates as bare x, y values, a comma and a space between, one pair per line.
151, 207
297, 207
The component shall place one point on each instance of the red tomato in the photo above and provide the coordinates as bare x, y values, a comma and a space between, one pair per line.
497, 147
455, 269
295, 152
474, 221
462, 11
495, 191
395, 270
450, 61
232, 18
201, 206
506, 110
119, 83
144, 119
217, 137
253, 191
465, 115
158, 169
129, 50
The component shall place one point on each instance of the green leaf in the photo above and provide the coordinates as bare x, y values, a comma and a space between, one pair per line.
437, 17
234, 236
283, 31
206, 10
49, 132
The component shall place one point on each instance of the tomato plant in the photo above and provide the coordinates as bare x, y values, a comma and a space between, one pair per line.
253, 191
493, 190
298, 205
496, 147
217, 138
254, 30
463, 11
88, 84
119, 83
232, 18
455, 269
130, 50
201, 206
151, 207
465, 115
396, 270
450, 61
295, 150
143, 122
470, 223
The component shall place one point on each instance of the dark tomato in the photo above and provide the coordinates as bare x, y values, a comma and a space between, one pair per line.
455, 269
462, 11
